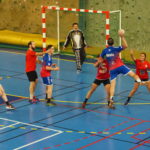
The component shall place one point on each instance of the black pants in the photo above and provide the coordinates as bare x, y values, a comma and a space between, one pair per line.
80, 57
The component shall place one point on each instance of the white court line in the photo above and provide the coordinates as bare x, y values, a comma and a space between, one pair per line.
9, 126
18, 122
36, 141
32, 125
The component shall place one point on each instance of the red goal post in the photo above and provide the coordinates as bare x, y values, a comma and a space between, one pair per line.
56, 8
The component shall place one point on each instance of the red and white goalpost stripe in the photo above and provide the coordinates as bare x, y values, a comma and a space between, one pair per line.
44, 8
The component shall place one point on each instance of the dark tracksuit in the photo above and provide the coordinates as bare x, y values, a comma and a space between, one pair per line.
77, 40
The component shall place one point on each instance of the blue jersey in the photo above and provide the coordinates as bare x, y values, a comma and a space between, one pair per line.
112, 55
47, 61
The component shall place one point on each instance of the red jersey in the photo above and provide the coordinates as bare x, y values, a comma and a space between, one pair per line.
141, 68
30, 60
103, 71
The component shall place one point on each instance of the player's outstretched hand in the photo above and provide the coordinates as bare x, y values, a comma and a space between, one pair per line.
54, 65
56, 68
1, 78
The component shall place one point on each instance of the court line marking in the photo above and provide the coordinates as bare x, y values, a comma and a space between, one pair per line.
101, 112
142, 121
102, 103
71, 131
76, 102
36, 141
84, 138
97, 102
18, 122
9, 126
3, 51
87, 145
32, 125
40, 56
139, 145
135, 136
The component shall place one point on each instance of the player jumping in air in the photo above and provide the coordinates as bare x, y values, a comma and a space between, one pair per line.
116, 65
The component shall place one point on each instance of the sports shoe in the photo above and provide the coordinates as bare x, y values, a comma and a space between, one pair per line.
111, 104
126, 103
34, 97
50, 103
10, 107
79, 70
83, 104
32, 101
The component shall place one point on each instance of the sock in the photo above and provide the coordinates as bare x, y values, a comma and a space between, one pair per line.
138, 80
86, 99
128, 99
48, 100
7, 103
46, 96
111, 97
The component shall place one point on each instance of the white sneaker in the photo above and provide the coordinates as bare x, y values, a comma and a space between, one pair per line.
10, 107
79, 70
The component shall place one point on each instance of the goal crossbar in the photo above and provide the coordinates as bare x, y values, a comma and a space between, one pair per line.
56, 8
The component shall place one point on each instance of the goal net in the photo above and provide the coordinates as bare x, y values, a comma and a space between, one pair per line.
96, 25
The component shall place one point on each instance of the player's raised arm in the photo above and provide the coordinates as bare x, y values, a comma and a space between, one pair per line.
99, 60
121, 33
52, 68
132, 55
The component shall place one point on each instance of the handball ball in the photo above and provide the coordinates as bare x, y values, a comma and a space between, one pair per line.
121, 32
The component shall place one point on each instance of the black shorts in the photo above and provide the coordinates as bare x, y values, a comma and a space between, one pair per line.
143, 80
32, 75
98, 82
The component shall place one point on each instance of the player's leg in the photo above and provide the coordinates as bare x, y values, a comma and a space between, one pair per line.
127, 71
135, 88
90, 92
113, 75
49, 92
112, 93
135, 76
32, 89
5, 99
49, 89
78, 60
94, 86
148, 85
35, 85
33, 79
112, 88
107, 88
82, 55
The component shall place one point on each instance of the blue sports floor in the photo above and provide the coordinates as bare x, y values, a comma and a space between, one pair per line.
67, 126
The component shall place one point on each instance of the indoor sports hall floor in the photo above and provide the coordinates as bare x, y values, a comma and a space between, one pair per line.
67, 126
